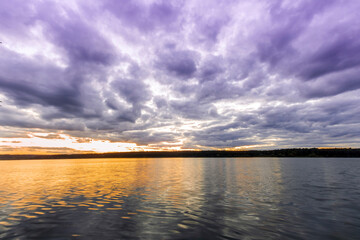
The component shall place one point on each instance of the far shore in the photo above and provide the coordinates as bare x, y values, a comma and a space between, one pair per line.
294, 152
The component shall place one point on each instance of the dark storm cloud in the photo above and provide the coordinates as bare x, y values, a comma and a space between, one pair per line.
332, 52
64, 99
215, 74
28, 82
81, 42
180, 63
228, 135
15, 118
334, 56
133, 90
219, 89
193, 110
147, 137
330, 85
211, 68
287, 22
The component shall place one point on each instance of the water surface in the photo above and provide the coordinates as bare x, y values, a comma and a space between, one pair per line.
180, 198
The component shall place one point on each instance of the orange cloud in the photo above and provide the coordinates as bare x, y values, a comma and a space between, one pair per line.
50, 143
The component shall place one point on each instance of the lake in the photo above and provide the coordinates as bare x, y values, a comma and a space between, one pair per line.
180, 198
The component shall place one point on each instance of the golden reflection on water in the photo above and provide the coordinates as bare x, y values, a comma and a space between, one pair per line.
156, 189
30, 185
33, 185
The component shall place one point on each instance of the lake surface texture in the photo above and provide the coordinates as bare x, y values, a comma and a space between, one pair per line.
185, 198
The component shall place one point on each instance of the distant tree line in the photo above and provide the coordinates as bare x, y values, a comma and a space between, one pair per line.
293, 152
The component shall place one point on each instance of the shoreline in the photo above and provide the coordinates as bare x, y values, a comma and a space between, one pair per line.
293, 152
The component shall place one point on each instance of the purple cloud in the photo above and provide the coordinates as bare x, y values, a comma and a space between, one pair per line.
145, 17
215, 75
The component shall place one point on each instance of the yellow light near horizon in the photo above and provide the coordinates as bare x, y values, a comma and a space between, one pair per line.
64, 141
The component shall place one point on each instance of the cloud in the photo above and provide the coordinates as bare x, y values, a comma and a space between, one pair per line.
179, 63
217, 75
145, 17
80, 41
16, 16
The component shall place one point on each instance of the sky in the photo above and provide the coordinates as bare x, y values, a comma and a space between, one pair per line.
142, 75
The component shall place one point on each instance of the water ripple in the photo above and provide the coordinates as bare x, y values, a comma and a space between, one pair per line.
180, 199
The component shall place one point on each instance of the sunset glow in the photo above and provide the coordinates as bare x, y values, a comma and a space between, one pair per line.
41, 144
